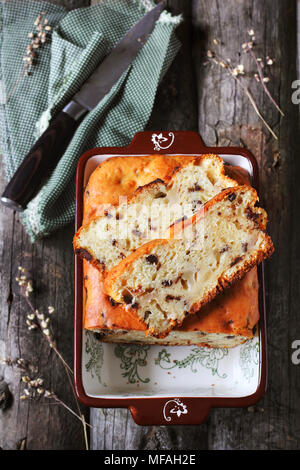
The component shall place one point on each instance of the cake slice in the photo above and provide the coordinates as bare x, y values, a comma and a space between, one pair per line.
167, 279
153, 208
228, 320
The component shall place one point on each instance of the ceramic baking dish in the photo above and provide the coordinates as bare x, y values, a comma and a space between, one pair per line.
175, 384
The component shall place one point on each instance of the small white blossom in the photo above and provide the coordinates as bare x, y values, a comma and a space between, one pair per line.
25, 378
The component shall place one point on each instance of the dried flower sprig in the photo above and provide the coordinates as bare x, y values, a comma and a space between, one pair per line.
238, 71
37, 39
234, 72
37, 320
248, 47
23, 365
34, 388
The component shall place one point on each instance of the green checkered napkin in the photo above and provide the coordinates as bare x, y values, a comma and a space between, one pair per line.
79, 41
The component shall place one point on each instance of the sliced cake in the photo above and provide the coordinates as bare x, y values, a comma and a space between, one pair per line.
167, 279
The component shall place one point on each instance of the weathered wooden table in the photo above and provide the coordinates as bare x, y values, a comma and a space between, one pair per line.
196, 94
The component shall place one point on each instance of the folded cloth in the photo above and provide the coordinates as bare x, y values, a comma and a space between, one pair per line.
78, 41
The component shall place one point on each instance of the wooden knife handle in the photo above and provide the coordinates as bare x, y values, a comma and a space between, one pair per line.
41, 159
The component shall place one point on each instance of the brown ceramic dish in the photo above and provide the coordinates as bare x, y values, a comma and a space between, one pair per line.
177, 391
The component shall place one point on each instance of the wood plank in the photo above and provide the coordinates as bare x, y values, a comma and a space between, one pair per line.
226, 117
37, 424
42, 425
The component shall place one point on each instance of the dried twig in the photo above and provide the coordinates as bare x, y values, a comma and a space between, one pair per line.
36, 320
37, 39
235, 72
248, 47
238, 71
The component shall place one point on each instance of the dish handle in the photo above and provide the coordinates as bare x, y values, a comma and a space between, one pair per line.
170, 411
164, 142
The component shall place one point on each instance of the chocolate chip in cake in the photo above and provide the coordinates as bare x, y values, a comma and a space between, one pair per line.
251, 215
152, 259
159, 195
147, 313
196, 187
224, 249
236, 260
231, 197
172, 297
135, 305
127, 297
84, 254
114, 242
167, 283
245, 246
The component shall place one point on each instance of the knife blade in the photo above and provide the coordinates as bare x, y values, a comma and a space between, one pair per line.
52, 144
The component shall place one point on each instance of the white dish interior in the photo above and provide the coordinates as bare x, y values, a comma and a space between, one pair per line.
126, 370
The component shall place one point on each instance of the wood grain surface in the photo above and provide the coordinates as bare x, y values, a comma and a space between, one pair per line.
195, 94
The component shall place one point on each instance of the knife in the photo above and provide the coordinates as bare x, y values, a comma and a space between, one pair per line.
52, 144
